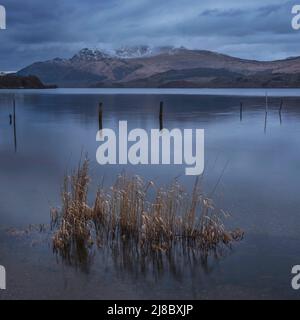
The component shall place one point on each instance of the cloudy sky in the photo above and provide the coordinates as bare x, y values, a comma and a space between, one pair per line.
39, 29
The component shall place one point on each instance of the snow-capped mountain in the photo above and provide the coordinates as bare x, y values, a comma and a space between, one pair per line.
134, 52
122, 53
144, 66
90, 55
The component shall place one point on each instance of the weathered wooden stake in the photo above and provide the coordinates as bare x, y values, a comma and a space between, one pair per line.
14, 108
280, 109
267, 102
281, 105
241, 111
14, 124
100, 112
161, 115
266, 122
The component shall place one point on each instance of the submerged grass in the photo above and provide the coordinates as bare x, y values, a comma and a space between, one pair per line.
138, 214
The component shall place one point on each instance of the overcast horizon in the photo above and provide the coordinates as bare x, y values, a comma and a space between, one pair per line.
40, 31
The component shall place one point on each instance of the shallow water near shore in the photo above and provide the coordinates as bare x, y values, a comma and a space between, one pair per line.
257, 158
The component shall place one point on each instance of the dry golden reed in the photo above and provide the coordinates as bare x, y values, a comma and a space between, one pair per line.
137, 212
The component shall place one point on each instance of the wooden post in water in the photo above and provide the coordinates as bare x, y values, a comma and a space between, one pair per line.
266, 112
281, 105
241, 111
266, 122
280, 109
14, 109
14, 124
100, 112
267, 102
161, 115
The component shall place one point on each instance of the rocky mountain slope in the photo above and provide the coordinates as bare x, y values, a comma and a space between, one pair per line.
164, 67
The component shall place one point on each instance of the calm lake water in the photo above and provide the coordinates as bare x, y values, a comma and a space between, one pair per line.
259, 159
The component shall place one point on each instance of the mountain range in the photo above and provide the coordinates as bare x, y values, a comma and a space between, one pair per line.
170, 67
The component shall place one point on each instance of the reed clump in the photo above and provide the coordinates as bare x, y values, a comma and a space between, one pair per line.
138, 213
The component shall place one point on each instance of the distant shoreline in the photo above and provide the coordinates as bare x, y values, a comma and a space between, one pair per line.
251, 92
14, 81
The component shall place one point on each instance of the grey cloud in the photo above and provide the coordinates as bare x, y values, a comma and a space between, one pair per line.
39, 30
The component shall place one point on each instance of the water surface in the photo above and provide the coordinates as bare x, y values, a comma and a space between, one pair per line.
260, 158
